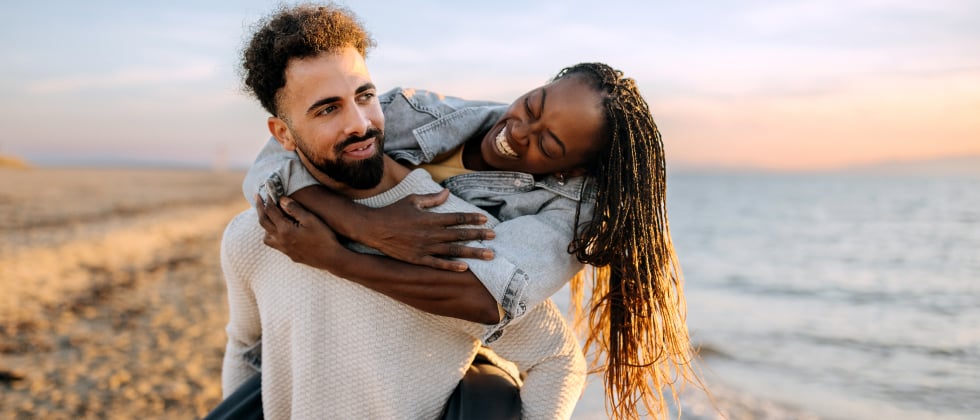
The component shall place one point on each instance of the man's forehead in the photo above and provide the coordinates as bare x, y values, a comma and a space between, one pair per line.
325, 75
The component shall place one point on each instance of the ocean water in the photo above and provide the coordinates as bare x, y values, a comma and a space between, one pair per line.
830, 296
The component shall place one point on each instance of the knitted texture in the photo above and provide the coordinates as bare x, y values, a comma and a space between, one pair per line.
334, 349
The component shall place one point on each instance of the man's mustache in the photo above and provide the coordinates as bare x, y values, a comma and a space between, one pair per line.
371, 132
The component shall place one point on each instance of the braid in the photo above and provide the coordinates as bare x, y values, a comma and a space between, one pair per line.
637, 309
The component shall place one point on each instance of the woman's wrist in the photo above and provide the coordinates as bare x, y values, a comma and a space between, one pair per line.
345, 217
341, 262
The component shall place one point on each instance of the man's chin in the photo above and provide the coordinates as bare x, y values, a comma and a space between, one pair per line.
364, 183
361, 174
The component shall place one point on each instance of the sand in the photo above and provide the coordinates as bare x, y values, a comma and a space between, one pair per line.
112, 302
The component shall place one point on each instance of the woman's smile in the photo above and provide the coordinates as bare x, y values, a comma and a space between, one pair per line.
502, 144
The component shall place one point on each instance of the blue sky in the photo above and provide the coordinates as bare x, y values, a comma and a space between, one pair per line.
772, 84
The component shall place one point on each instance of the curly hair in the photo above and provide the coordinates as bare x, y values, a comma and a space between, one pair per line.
637, 309
299, 31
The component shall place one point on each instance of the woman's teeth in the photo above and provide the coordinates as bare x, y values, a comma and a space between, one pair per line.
502, 146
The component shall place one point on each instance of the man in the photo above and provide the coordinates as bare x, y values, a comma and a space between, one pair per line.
332, 348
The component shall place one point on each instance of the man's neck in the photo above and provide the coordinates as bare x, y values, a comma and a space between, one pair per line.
394, 173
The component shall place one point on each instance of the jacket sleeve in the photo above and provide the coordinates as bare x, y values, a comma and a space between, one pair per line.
531, 261
273, 159
244, 329
545, 350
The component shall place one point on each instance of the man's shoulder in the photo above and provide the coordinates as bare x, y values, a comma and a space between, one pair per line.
248, 219
243, 233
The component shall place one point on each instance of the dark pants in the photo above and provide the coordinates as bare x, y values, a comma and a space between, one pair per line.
243, 404
486, 392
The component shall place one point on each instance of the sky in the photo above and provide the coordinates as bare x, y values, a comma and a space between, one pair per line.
776, 85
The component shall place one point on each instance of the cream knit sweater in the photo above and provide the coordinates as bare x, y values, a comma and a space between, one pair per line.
332, 349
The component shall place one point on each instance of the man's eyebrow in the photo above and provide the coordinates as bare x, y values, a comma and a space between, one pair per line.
561, 144
331, 99
322, 102
364, 87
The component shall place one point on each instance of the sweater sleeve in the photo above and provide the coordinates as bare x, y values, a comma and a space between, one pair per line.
546, 351
244, 327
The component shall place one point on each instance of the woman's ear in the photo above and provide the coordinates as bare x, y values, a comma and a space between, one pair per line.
579, 171
564, 175
280, 130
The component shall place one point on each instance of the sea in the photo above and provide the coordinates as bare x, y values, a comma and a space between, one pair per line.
828, 295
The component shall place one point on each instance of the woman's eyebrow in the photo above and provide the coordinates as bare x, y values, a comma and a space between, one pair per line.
544, 97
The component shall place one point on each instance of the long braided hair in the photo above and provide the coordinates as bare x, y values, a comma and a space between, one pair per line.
637, 310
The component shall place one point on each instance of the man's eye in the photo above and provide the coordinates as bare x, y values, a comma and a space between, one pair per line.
367, 97
328, 110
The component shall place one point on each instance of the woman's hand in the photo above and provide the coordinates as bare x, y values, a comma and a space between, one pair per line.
299, 234
405, 231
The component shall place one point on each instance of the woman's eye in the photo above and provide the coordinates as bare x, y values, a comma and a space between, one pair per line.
549, 147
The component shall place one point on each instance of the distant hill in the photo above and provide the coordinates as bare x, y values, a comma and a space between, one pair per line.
952, 165
12, 162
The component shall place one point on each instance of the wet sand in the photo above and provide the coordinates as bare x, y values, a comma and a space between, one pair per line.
113, 302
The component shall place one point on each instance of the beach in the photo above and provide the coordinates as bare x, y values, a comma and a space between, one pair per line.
113, 302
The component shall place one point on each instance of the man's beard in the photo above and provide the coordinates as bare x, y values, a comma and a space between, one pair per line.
361, 174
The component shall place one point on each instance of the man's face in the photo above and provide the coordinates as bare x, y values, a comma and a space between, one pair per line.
332, 119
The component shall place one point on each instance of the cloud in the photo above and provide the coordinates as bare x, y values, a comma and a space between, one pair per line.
781, 16
131, 77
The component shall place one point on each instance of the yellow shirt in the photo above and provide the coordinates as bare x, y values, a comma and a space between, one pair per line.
446, 166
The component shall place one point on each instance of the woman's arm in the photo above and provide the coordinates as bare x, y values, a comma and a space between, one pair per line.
309, 241
531, 260
403, 231
531, 263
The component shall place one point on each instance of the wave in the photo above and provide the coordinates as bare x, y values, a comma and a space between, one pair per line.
946, 302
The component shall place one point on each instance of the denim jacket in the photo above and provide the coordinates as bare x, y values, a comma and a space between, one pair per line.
531, 259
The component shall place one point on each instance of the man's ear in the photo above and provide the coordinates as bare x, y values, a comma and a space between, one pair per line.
280, 130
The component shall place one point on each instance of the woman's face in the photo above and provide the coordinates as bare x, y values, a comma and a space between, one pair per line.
554, 128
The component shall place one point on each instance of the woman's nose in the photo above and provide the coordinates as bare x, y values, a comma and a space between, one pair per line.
521, 132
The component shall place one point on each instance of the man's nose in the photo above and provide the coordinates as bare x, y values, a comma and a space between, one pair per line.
356, 122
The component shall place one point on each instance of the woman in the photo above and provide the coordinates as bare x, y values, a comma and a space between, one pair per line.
588, 147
